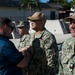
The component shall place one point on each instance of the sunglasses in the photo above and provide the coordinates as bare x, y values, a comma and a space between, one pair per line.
24, 27
72, 21
35, 20
12, 28
20, 27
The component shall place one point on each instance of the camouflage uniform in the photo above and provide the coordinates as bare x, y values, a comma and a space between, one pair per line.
67, 59
45, 58
24, 41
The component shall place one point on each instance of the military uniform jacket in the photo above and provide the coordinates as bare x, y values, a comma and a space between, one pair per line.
44, 59
67, 58
24, 41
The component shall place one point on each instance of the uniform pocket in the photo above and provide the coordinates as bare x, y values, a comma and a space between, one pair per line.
68, 54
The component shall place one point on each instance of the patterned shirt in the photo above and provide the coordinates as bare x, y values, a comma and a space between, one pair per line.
24, 41
45, 57
67, 59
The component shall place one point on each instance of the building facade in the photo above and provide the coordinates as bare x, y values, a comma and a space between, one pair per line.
10, 9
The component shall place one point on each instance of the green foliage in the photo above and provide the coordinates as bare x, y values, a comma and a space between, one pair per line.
64, 3
73, 4
73, 1
29, 4
66, 6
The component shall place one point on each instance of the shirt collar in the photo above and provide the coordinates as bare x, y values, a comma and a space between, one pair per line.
3, 36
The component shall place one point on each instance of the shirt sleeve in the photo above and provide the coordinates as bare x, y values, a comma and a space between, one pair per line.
51, 50
11, 54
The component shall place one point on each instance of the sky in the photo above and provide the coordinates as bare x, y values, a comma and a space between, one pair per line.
44, 1
47, 0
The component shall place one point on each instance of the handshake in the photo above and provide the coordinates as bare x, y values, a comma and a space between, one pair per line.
27, 49
31, 49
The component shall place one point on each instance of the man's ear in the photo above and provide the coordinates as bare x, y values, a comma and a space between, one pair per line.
5, 26
43, 22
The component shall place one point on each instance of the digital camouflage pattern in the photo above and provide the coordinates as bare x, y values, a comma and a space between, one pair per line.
24, 41
45, 58
67, 57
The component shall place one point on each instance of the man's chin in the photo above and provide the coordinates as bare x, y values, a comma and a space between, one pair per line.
73, 34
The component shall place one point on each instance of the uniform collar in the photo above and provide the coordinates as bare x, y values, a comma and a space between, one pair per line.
24, 37
40, 35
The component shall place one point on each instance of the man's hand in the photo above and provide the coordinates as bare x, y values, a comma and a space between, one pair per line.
30, 50
27, 49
